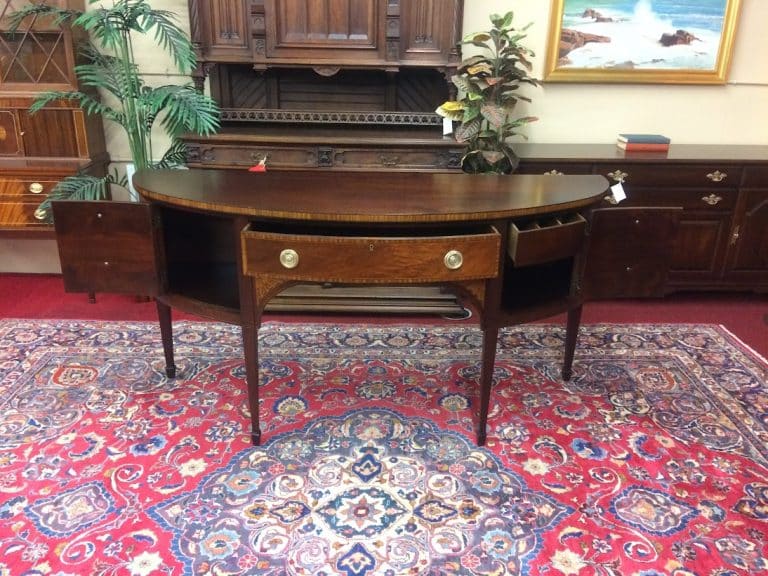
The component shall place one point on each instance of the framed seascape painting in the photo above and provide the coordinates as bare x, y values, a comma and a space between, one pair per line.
650, 41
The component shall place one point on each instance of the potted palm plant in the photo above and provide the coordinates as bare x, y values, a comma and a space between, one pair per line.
108, 65
488, 85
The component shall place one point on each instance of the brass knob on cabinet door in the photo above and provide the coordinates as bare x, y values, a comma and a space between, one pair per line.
41, 213
289, 258
36, 188
453, 259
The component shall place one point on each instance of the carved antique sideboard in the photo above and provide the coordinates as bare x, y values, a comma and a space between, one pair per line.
327, 84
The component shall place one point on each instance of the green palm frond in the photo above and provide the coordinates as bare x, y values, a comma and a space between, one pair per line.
186, 110
171, 38
78, 187
175, 156
33, 10
107, 63
87, 102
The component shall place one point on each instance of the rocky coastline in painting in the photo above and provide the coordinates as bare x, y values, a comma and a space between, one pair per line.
636, 39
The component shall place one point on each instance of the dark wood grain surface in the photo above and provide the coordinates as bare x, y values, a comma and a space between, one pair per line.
368, 197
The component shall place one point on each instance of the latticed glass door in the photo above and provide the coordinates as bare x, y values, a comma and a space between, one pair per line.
37, 55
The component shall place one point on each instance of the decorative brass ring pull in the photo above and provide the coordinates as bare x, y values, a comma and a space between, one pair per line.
618, 175
453, 259
717, 176
712, 199
41, 214
289, 258
36, 188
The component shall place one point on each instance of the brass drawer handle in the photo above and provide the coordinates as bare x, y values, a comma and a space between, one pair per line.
712, 199
41, 213
553, 172
289, 258
618, 175
717, 176
36, 188
453, 259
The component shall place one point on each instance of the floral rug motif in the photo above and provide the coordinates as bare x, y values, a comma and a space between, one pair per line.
651, 461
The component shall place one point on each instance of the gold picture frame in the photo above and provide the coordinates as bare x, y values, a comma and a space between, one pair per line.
616, 45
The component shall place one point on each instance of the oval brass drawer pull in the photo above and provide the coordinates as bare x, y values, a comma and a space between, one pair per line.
712, 199
289, 258
453, 259
36, 188
717, 176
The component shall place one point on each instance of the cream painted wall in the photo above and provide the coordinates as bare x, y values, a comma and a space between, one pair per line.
734, 113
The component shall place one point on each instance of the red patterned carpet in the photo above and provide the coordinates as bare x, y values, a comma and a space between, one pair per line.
652, 460
745, 315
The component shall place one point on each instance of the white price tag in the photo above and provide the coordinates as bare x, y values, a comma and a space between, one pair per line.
447, 126
618, 193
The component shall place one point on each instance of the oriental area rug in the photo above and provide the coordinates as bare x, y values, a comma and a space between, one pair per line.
651, 461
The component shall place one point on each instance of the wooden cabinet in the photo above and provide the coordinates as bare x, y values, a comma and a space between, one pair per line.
697, 220
107, 247
707, 194
746, 257
334, 31
38, 150
629, 252
333, 84
381, 34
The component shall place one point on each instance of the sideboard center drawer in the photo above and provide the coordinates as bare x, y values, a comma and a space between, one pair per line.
372, 259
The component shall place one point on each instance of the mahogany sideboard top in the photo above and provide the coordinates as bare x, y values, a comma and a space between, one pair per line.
369, 198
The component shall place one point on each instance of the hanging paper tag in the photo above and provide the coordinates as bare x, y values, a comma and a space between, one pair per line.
447, 126
617, 190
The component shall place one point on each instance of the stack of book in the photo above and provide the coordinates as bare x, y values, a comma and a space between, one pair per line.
643, 142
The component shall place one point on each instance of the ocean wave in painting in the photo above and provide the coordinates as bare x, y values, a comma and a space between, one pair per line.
631, 32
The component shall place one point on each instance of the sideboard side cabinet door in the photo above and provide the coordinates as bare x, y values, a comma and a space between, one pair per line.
107, 246
629, 252
747, 256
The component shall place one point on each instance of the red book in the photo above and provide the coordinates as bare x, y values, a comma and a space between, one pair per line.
642, 147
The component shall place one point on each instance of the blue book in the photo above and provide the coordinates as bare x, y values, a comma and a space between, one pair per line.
644, 138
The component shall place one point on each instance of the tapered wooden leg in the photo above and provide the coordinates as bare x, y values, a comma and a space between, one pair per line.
166, 333
571, 334
251, 353
490, 338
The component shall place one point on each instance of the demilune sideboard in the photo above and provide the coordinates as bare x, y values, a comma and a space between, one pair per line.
222, 243
717, 193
